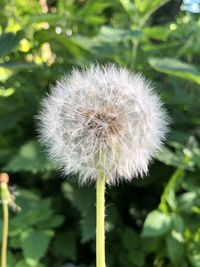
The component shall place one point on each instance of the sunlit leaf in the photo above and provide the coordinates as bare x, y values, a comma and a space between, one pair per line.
157, 33
177, 68
35, 244
156, 224
194, 258
30, 158
145, 6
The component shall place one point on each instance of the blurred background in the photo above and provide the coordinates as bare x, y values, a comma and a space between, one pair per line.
151, 222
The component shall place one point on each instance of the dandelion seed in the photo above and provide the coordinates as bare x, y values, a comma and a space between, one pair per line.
103, 118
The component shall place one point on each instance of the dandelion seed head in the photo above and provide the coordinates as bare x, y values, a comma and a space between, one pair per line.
103, 119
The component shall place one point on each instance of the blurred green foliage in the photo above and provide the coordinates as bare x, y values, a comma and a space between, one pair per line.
151, 222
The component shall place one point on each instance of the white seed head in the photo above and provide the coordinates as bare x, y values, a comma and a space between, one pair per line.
103, 119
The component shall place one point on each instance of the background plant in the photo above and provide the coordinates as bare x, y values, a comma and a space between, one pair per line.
150, 222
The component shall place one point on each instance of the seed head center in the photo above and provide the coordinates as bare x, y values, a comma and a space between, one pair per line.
104, 122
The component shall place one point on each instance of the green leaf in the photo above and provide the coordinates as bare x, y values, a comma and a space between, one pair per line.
65, 245
11, 259
52, 221
128, 6
168, 198
84, 200
109, 34
130, 239
1, 227
91, 10
194, 258
8, 42
156, 32
42, 212
186, 201
14, 242
35, 212
23, 263
176, 67
68, 191
29, 202
107, 40
178, 223
47, 17
168, 157
88, 224
35, 244
175, 249
30, 158
149, 245
137, 258
192, 183
67, 43
18, 65
156, 224
146, 6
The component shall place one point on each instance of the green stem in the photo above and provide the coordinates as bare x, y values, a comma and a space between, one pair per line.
169, 192
5, 230
134, 54
100, 222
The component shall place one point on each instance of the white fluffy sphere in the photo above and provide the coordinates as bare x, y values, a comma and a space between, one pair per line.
102, 120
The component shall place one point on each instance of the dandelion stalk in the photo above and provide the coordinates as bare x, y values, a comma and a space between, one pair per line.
100, 222
4, 199
4, 235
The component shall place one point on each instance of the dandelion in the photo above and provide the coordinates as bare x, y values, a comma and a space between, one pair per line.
104, 124
103, 118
